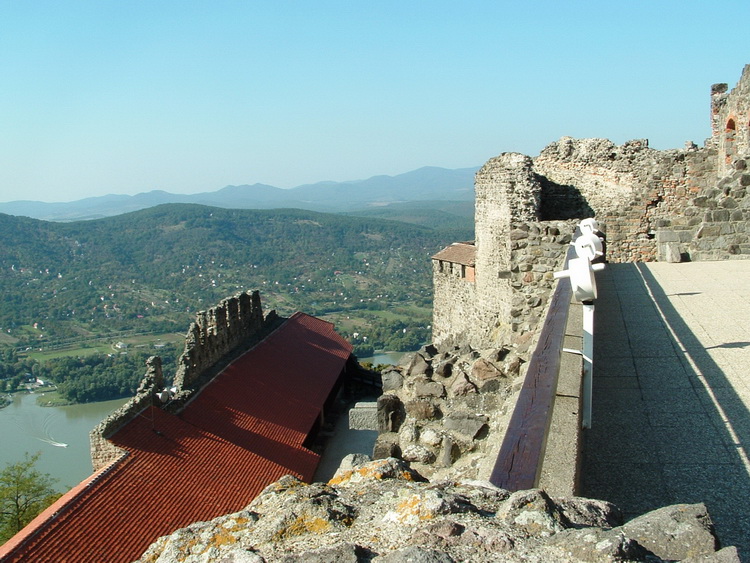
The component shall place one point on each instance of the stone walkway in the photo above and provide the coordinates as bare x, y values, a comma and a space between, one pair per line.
671, 412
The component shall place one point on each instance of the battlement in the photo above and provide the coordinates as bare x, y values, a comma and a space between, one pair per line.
211, 343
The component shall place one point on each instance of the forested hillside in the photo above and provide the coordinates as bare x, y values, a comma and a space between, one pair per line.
151, 270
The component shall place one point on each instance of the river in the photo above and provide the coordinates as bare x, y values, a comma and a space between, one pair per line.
60, 434
383, 358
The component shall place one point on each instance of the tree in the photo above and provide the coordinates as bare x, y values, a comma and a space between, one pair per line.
24, 493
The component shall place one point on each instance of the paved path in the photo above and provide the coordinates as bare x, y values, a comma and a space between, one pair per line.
671, 414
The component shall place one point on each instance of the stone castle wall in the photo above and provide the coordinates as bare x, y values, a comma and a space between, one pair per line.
730, 122
449, 286
104, 452
632, 190
214, 334
723, 232
516, 255
686, 204
538, 250
506, 193
234, 324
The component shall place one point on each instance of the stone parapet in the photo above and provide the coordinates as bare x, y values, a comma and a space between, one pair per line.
104, 452
211, 342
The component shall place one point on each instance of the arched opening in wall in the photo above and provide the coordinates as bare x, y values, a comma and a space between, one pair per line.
561, 202
730, 133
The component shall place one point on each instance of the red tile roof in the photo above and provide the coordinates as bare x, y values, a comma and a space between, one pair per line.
458, 253
242, 432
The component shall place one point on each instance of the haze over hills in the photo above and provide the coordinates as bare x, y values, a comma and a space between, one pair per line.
429, 185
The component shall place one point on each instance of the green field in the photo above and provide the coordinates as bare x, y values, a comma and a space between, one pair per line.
102, 346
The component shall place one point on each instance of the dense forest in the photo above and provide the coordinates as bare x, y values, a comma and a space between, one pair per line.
150, 271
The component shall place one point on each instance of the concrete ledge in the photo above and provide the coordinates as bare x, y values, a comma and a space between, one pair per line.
562, 457
364, 416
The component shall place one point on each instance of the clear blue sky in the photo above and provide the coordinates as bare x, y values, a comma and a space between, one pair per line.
107, 96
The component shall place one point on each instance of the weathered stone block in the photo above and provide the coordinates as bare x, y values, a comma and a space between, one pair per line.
534, 512
483, 370
468, 424
419, 366
429, 389
669, 252
392, 380
364, 416
598, 546
409, 433
663, 236
445, 369
390, 413
431, 437
422, 409
462, 386
675, 532
386, 446
418, 453
449, 452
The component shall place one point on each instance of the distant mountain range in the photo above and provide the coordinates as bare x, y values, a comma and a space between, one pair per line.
431, 185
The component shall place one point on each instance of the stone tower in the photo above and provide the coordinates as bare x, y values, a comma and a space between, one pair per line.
474, 294
506, 193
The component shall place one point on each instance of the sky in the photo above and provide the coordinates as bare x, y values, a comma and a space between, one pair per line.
121, 97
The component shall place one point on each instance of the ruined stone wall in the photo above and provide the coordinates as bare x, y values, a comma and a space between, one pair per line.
233, 324
724, 211
631, 189
651, 205
215, 333
506, 192
104, 452
730, 122
537, 251
516, 256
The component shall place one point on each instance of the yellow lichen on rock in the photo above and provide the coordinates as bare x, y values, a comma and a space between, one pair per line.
302, 525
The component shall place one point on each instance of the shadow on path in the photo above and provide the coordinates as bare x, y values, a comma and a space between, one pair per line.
668, 425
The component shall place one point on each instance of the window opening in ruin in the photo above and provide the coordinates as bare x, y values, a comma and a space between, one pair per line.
729, 134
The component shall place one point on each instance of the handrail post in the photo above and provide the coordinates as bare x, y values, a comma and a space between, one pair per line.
588, 361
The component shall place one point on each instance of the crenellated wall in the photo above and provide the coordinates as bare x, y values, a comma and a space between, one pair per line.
213, 340
214, 334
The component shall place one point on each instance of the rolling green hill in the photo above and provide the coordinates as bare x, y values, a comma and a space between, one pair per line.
150, 271
447, 214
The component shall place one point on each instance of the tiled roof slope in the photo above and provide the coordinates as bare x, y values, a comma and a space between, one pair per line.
458, 253
242, 432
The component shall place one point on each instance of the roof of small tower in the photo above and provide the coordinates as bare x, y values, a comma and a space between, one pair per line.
458, 253
243, 431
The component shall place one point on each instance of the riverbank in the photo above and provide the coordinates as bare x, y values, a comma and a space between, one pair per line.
45, 397
28, 427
